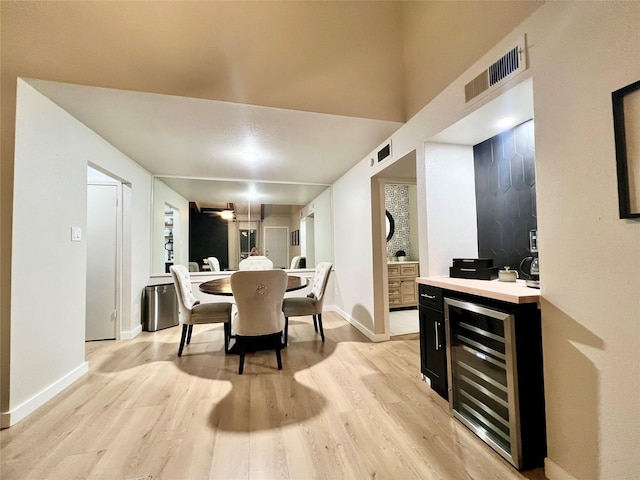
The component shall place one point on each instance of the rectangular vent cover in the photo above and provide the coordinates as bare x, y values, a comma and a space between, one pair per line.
505, 67
384, 152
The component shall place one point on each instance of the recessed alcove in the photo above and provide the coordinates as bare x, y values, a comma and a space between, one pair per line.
480, 184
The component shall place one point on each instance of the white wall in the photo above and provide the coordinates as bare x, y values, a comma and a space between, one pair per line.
307, 240
323, 227
450, 206
591, 323
414, 238
352, 230
322, 209
163, 194
50, 194
578, 54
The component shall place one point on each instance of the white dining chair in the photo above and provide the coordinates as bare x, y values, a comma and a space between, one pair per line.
311, 304
192, 312
296, 262
214, 264
256, 262
258, 296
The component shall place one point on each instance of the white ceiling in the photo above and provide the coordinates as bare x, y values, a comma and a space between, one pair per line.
514, 106
196, 146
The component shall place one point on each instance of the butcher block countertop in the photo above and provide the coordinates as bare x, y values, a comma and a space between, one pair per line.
510, 292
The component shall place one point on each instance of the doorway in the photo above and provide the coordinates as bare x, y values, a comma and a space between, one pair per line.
395, 298
401, 207
104, 247
276, 246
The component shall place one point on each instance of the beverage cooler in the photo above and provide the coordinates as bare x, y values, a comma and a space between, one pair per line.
500, 398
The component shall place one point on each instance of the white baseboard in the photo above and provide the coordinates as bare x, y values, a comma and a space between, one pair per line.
129, 334
7, 419
553, 471
374, 337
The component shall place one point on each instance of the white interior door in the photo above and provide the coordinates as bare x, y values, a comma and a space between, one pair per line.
276, 245
102, 253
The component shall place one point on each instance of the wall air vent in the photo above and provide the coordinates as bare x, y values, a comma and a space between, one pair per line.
384, 152
476, 86
506, 67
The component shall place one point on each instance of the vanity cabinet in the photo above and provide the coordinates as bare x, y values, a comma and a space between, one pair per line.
403, 291
433, 353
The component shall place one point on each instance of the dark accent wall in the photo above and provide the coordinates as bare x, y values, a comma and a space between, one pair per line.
506, 195
208, 237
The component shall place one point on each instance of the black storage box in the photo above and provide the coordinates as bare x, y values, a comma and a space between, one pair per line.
473, 262
477, 273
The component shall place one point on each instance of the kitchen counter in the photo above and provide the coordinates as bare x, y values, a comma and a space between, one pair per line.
510, 292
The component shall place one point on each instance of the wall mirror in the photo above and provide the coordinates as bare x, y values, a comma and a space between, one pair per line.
272, 205
390, 225
626, 124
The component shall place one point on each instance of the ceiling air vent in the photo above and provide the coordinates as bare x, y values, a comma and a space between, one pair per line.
506, 67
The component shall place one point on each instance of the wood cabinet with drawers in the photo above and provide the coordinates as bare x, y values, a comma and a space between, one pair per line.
403, 290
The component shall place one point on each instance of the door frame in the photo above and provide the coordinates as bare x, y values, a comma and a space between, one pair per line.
379, 246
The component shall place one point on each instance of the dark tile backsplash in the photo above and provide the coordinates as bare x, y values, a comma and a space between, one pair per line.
506, 195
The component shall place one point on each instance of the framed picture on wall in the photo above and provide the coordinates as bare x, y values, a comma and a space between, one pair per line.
626, 126
295, 238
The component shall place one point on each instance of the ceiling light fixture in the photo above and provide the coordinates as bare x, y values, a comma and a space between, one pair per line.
227, 213
250, 156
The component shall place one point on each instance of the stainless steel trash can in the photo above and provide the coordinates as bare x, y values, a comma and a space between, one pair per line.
160, 307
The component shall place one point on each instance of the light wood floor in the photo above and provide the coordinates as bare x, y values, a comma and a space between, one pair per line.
345, 409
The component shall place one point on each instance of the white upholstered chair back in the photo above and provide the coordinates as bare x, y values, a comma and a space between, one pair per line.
214, 264
258, 295
295, 262
186, 299
320, 279
312, 303
256, 262
192, 312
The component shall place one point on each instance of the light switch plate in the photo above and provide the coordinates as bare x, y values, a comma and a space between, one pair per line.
76, 234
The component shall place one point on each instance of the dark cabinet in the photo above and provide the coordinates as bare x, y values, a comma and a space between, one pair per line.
433, 354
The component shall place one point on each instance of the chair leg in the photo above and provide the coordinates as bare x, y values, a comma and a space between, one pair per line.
320, 325
242, 347
315, 324
286, 330
183, 338
227, 336
278, 348
189, 334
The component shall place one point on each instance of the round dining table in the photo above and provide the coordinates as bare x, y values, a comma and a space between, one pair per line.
222, 286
